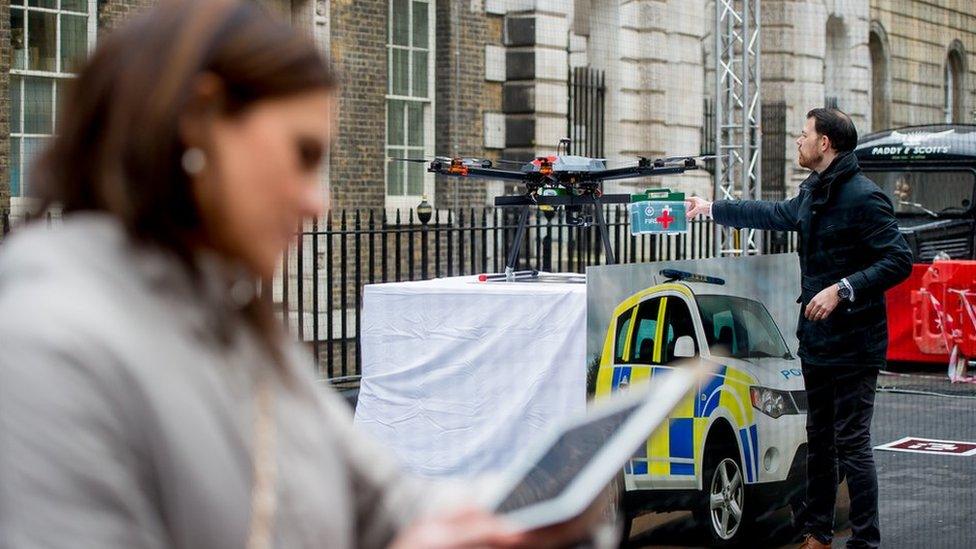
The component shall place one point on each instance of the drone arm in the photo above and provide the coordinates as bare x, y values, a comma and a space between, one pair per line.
634, 171
444, 168
492, 173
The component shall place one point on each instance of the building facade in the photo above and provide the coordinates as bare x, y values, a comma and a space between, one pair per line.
507, 79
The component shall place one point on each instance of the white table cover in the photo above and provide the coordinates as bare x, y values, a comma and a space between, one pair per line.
458, 376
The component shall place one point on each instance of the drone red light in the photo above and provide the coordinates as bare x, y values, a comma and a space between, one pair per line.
458, 167
545, 167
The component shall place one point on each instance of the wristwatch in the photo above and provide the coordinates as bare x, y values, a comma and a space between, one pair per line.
844, 291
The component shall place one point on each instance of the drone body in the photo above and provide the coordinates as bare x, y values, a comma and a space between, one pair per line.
560, 180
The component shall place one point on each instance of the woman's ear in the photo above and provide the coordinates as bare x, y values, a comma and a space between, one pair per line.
206, 103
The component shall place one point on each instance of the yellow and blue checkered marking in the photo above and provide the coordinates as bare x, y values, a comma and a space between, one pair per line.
675, 450
668, 448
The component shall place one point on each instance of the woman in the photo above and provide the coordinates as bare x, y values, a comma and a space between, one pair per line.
147, 399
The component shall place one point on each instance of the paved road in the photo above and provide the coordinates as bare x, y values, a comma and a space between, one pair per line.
926, 500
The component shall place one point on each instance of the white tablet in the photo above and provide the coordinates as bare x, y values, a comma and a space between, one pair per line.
558, 479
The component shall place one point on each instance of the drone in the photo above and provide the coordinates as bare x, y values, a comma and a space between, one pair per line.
560, 180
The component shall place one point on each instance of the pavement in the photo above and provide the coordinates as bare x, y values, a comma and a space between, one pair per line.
925, 500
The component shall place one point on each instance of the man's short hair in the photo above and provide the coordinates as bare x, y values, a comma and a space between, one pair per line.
837, 126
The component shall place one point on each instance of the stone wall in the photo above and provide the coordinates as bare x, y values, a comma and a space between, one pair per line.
919, 36
813, 50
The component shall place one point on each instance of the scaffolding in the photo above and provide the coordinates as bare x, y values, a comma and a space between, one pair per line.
738, 134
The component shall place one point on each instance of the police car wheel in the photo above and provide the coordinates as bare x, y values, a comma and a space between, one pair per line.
723, 507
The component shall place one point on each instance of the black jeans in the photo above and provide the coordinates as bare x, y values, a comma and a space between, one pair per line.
840, 406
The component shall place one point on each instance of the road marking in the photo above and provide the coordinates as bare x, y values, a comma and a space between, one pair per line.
930, 446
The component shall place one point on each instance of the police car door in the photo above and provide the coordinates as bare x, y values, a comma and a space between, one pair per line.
635, 349
671, 449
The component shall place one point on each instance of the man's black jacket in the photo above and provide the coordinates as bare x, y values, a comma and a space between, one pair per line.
847, 228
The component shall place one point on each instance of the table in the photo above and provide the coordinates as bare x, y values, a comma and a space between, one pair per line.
458, 376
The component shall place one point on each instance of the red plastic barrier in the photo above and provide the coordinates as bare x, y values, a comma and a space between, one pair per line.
932, 312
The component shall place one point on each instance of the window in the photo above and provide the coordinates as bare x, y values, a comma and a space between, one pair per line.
955, 85
48, 39
836, 64
880, 89
409, 101
645, 332
678, 323
947, 193
740, 328
620, 342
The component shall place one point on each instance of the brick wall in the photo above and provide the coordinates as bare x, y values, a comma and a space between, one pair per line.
463, 95
359, 53
113, 12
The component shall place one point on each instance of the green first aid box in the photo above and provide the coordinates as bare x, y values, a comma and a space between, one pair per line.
658, 211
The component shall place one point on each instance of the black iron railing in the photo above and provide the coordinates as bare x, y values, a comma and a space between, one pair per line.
587, 100
319, 290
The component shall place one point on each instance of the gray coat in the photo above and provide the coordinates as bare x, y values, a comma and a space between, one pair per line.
124, 422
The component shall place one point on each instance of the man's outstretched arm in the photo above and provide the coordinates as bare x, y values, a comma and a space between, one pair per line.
750, 214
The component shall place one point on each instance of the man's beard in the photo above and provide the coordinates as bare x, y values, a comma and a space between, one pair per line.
806, 162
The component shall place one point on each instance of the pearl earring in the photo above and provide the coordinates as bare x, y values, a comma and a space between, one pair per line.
193, 161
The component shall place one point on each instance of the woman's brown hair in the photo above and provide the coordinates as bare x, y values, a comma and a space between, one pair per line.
119, 142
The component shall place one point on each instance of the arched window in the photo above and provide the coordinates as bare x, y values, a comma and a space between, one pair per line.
836, 64
880, 89
955, 84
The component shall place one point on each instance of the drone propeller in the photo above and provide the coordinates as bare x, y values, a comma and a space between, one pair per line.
419, 160
470, 161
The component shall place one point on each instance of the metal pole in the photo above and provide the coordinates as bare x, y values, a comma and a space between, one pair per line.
513, 253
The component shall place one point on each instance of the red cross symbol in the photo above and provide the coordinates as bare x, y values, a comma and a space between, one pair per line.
665, 218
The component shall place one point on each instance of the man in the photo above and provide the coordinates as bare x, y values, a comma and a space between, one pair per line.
850, 252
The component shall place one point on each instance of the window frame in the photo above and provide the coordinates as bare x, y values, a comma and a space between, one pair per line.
60, 74
405, 201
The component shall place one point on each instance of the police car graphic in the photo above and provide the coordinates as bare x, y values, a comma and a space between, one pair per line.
737, 447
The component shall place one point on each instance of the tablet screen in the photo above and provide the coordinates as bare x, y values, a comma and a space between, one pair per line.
564, 460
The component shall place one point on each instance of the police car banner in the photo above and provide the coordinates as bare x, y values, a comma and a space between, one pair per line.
658, 211
740, 314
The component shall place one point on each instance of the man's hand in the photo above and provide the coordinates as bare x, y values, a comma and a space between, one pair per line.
822, 304
696, 205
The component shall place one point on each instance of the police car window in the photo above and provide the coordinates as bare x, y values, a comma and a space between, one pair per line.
736, 327
623, 326
678, 323
941, 192
645, 329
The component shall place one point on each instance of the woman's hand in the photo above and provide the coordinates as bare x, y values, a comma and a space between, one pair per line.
461, 529
476, 528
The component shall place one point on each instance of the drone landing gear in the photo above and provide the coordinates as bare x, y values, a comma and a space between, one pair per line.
576, 202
